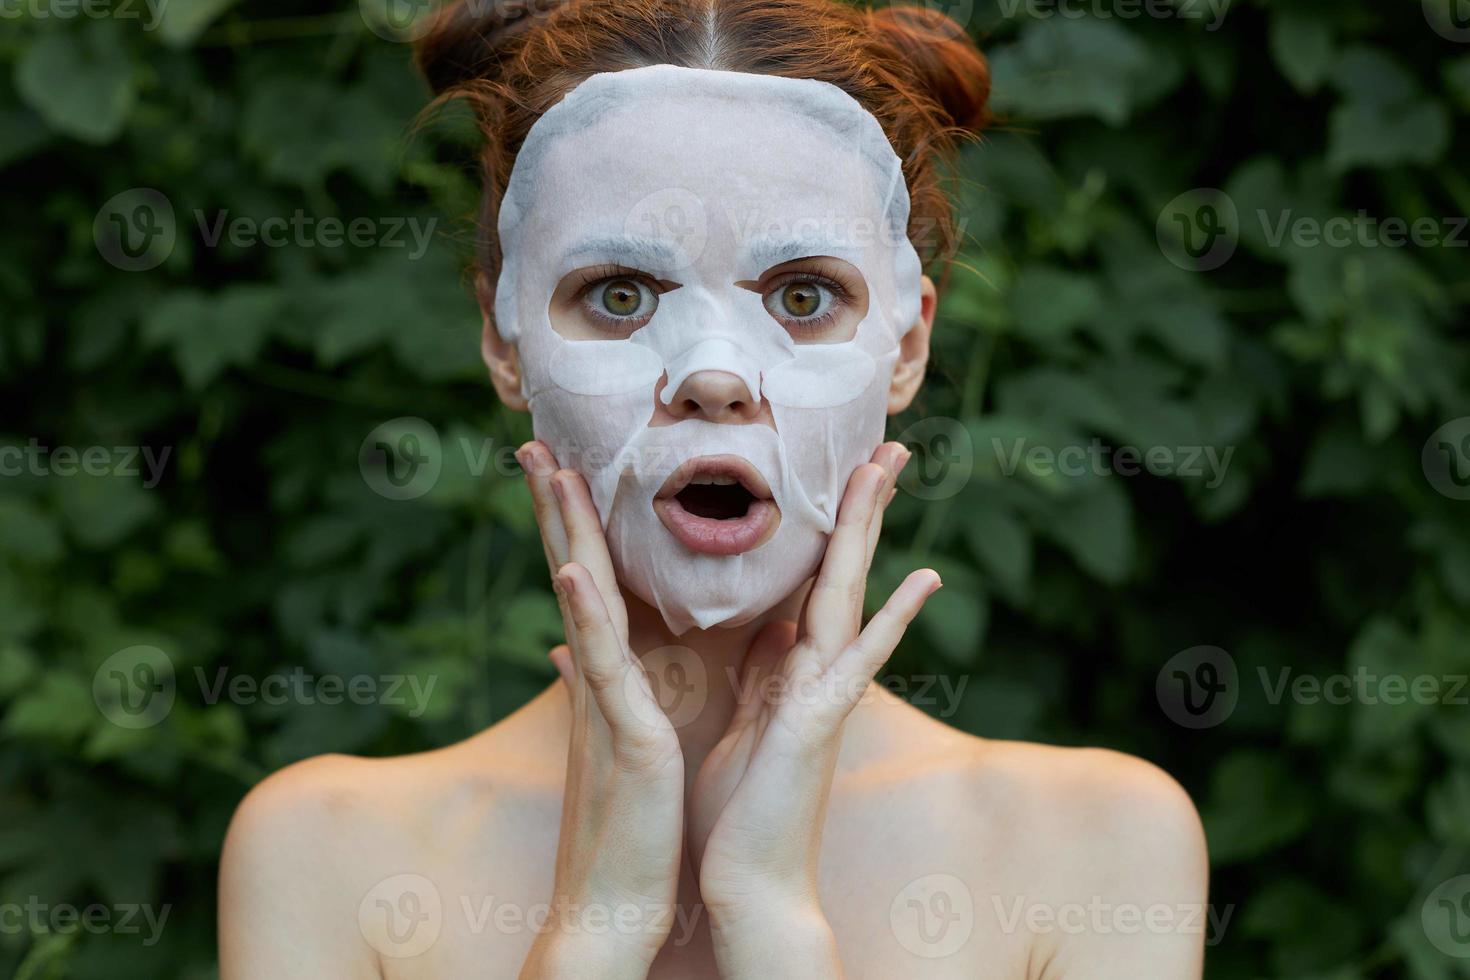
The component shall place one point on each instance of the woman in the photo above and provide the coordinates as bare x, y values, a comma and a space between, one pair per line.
705, 283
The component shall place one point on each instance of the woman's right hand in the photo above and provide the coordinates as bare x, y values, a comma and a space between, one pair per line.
622, 824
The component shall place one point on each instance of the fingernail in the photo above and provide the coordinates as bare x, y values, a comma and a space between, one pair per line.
558, 489
567, 583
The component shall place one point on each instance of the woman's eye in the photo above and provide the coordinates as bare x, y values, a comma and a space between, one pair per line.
801, 299
624, 299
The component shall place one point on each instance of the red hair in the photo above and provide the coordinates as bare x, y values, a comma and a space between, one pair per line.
913, 68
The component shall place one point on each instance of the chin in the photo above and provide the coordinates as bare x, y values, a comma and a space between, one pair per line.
694, 590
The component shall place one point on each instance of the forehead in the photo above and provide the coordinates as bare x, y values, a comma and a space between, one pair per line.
757, 176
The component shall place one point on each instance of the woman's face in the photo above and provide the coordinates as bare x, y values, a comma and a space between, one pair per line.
706, 277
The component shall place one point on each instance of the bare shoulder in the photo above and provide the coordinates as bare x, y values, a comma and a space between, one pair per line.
1092, 855
310, 843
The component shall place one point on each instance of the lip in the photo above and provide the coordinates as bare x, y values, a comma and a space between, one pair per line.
707, 535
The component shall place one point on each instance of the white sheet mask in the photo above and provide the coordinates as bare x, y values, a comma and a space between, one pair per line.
707, 179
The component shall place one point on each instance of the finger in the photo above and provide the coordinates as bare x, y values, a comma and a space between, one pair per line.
539, 465
586, 543
764, 658
893, 457
834, 610
561, 658
601, 658
866, 655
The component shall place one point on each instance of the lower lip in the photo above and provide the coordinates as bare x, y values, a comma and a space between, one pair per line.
714, 537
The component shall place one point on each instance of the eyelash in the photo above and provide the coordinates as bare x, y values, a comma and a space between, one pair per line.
601, 275
812, 325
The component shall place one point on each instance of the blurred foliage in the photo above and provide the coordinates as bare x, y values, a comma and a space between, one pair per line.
262, 371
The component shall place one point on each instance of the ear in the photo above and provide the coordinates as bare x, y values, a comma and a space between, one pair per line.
500, 356
913, 351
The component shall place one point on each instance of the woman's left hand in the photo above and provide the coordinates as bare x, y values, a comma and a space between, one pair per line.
760, 798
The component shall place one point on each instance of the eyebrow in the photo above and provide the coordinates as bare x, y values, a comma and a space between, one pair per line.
631, 249
768, 251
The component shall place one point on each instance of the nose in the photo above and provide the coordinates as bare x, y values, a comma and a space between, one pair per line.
715, 396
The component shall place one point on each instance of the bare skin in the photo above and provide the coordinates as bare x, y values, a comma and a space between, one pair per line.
748, 839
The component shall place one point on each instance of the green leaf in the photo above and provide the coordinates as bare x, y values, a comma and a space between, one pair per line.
1003, 544
1255, 805
80, 81
182, 21
1071, 67
1456, 76
1096, 529
59, 707
1049, 302
208, 334
1301, 43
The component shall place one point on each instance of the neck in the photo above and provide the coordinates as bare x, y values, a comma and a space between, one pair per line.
697, 675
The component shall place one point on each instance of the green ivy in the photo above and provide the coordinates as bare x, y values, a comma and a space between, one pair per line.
252, 539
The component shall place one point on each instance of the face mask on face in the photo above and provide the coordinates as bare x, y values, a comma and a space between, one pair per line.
704, 182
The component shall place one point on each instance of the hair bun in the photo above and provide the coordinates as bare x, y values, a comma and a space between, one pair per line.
469, 37
945, 60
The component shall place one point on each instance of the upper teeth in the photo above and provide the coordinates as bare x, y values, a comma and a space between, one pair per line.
707, 479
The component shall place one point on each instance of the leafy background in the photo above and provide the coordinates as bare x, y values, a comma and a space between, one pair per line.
263, 370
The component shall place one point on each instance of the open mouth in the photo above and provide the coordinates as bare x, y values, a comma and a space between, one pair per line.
717, 505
